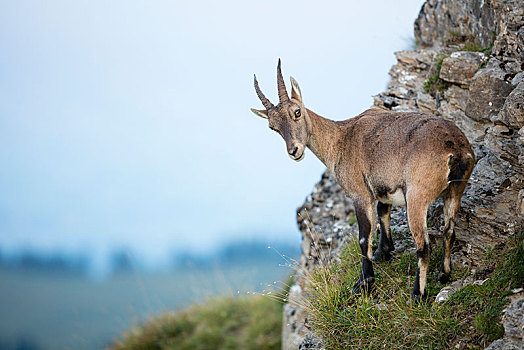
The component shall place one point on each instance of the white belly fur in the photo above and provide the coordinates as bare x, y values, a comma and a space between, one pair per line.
395, 198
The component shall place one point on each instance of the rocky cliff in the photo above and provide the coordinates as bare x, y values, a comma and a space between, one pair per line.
467, 67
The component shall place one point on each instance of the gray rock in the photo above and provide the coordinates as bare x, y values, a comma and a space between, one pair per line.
460, 66
442, 20
448, 291
509, 43
426, 103
487, 93
474, 131
421, 60
513, 110
294, 328
517, 79
457, 97
407, 82
520, 203
513, 321
502, 345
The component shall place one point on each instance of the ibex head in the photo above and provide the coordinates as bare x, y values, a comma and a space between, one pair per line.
288, 118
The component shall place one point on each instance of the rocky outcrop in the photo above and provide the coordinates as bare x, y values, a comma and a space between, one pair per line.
513, 321
483, 92
460, 67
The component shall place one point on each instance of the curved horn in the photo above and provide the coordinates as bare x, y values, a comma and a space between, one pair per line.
282, 93
267, 104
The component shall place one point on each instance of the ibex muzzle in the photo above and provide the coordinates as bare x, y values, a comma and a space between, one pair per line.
392, 158
288, 117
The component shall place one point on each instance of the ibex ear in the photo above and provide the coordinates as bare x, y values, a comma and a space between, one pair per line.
295, 90
262, 113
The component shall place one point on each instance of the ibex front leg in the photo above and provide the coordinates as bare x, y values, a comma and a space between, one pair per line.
385, 244
366, 226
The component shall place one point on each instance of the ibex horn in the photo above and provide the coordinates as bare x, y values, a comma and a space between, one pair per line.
282, 93
267, 104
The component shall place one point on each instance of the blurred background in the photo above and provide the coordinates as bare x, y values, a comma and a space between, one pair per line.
134, 178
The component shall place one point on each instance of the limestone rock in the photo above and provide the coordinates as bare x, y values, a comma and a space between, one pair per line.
502, 345
426, 103
295, 327
440, 19
510, 41
460, 66
406, 88
457, 97
517, 78
448, 291
513, 110
421, 60
487, 93
513, 321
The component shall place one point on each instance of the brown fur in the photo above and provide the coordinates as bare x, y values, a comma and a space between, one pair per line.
378, 154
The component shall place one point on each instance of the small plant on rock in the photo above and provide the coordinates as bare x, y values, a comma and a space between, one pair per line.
434, 83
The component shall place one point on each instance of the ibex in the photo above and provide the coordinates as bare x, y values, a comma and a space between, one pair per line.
393, 158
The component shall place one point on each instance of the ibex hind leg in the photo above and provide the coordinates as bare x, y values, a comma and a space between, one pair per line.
451, 208
417, 207
366, 223
385, 244
460, 171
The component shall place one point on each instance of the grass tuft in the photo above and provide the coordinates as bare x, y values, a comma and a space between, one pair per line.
253, 322
352, 218
469, 42
387, 319
434, 83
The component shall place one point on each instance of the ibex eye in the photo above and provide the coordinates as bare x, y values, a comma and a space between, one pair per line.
297, 113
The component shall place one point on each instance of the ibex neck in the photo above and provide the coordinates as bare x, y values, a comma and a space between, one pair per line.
323, 136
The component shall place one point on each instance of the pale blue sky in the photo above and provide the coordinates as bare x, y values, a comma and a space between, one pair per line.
127, 123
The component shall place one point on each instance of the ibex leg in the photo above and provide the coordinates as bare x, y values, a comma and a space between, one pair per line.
366, 226
385, 244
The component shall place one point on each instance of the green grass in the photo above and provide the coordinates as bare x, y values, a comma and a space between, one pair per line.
469, 42
227, 323
352, 218
434, 83
387, 319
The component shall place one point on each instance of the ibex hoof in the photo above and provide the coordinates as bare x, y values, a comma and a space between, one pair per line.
443, 277
363, 286
381, 255
417, 299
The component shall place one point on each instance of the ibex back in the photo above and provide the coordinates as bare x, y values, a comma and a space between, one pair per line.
391, 157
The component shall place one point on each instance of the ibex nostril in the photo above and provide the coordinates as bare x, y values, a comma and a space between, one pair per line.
294, 153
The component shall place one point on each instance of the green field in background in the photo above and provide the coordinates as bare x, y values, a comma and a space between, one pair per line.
53, 311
